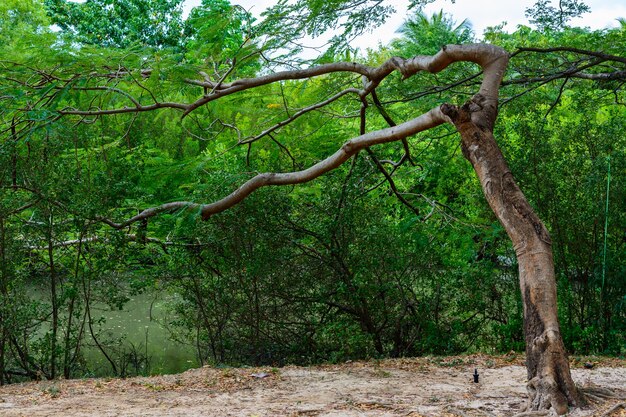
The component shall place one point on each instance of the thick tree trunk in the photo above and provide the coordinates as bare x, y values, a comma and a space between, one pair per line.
549, 380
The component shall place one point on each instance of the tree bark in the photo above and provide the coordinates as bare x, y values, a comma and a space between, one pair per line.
54, 300
550, 384
3, 297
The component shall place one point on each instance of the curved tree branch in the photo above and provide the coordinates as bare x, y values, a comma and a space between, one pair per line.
601, 55
426, 121
151, 212
492, 59
489, 57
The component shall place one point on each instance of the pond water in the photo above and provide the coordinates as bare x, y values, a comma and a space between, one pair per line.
142, 326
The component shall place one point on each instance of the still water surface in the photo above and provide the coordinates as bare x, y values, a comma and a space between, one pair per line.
141, 324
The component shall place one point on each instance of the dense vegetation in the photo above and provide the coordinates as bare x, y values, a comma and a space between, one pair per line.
372, 260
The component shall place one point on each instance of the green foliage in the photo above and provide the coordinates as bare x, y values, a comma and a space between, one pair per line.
424, 35
220, 35
20, 18
24, 31
287, 22
548, 17
218, 25
120, 23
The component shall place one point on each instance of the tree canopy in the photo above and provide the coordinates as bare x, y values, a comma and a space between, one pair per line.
119, 23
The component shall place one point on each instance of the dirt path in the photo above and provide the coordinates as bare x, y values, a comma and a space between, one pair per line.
403, 387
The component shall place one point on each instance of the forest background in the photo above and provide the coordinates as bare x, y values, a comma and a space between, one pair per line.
376, 259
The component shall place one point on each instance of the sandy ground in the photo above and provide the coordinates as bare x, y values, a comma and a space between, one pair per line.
402, 387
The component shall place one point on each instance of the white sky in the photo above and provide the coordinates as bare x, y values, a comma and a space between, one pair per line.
481, 13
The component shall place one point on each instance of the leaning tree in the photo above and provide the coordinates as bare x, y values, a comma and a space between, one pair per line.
550, 383
48, 96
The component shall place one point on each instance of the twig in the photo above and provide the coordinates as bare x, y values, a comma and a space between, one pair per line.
392, 184
613, 409
300, 113
383, 112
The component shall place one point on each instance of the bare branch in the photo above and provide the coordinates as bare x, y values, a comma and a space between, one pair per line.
111, 89
572, 72
487, 56
544, 80
151, 212
226, 74
23, 208
601, 55
100, 112
437, 89
129, 236
285, 149
405, 144
558, 98
491, 58
603, 76
248, 83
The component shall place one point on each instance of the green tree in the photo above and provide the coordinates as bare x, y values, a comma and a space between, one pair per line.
19, 19
120, 23
422, 34
217, 30
547, 17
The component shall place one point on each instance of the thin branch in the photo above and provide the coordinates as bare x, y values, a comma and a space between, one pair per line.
226, 74
143, 87
282, 95
372, 155
558, 98
140, 109
436, 89
575, 72
300, 113
248, 83
405, 144
434, 204
111, 89
129, 236
492, 59
601, 76
542, 81
489, 57
24, 207
285, 149
601, 55
151, 212
392, 184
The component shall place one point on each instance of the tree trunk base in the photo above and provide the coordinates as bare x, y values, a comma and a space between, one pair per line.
552, 385
544, 393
